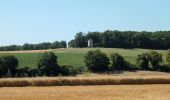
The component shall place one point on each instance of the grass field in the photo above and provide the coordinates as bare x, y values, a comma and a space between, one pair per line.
72, 56
115, 92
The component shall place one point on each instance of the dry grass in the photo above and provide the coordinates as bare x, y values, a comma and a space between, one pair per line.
115, 92
125, 78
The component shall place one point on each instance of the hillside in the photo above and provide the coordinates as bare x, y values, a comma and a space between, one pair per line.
72, 56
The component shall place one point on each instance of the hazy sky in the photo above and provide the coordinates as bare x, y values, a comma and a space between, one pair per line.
34, 21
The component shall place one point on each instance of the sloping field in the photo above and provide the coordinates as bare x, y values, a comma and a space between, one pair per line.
72, 56
114, 92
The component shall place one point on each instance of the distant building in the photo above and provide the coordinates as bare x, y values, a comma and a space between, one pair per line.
90, 43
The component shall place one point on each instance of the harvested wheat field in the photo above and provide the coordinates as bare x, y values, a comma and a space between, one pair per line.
107, 92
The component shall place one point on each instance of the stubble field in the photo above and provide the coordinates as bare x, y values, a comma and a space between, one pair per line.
106, 92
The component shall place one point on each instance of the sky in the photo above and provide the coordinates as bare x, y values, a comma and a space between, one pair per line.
36, 21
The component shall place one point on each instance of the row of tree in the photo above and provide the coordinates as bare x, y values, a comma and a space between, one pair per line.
96, 61
123, 39
40, 46
107, 39
47, 66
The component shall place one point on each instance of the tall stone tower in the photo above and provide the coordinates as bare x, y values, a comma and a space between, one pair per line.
90, 43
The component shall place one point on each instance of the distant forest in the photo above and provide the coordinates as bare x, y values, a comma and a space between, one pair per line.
107, 39
123, 39
40, 46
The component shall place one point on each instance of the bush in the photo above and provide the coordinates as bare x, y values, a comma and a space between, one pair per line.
165, 68
118, 62
27, 72
47, 64
143, 61
155, 59
168, 57
152, 57
96, 61
67, 70
8, 65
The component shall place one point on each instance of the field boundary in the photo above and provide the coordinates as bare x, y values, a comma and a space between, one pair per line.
76, 81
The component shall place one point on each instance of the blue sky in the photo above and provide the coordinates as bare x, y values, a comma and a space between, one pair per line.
35, 21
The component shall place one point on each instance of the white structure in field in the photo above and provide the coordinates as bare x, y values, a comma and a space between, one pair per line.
90, 43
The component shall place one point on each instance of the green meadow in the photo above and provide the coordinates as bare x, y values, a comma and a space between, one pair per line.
74, 56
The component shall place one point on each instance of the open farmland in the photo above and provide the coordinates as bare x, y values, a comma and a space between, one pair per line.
115, 92
72, 56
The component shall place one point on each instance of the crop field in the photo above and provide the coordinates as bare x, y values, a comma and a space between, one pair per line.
72, 56
89, 86
86, 79
106, 92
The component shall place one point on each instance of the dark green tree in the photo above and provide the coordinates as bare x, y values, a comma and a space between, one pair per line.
8, 65
168, 57
118, 62
71, 43
95, 36
96, 61
80, 40
63, 44
143, 61
55, 45
155, 59
48, 64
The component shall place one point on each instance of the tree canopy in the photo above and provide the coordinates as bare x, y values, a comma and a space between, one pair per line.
123, 39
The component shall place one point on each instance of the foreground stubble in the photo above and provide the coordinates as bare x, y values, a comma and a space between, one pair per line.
107, 92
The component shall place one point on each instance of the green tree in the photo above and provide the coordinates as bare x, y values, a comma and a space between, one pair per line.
55, 45
71, 43
8, 64
96, 61
80, 40
48, 64
168, 57
155, 59
95, 36
118, 62
143, 61
63, 44
141, 40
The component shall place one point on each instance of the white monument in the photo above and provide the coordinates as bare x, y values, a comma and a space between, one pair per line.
90, 43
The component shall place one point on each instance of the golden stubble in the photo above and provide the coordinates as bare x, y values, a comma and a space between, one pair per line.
103, 92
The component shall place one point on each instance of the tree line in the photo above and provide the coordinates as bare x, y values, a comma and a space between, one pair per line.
40, 46
123, 39
47, 65
107, 39
95, 61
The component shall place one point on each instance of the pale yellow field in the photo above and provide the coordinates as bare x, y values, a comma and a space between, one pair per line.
107, 92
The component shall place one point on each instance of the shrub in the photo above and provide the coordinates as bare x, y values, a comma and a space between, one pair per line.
47, 64
118, 62
155, 58
67, 70
96, 61
152, 57
8, 65
168, 57
27, 72
165, 68
143, 61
